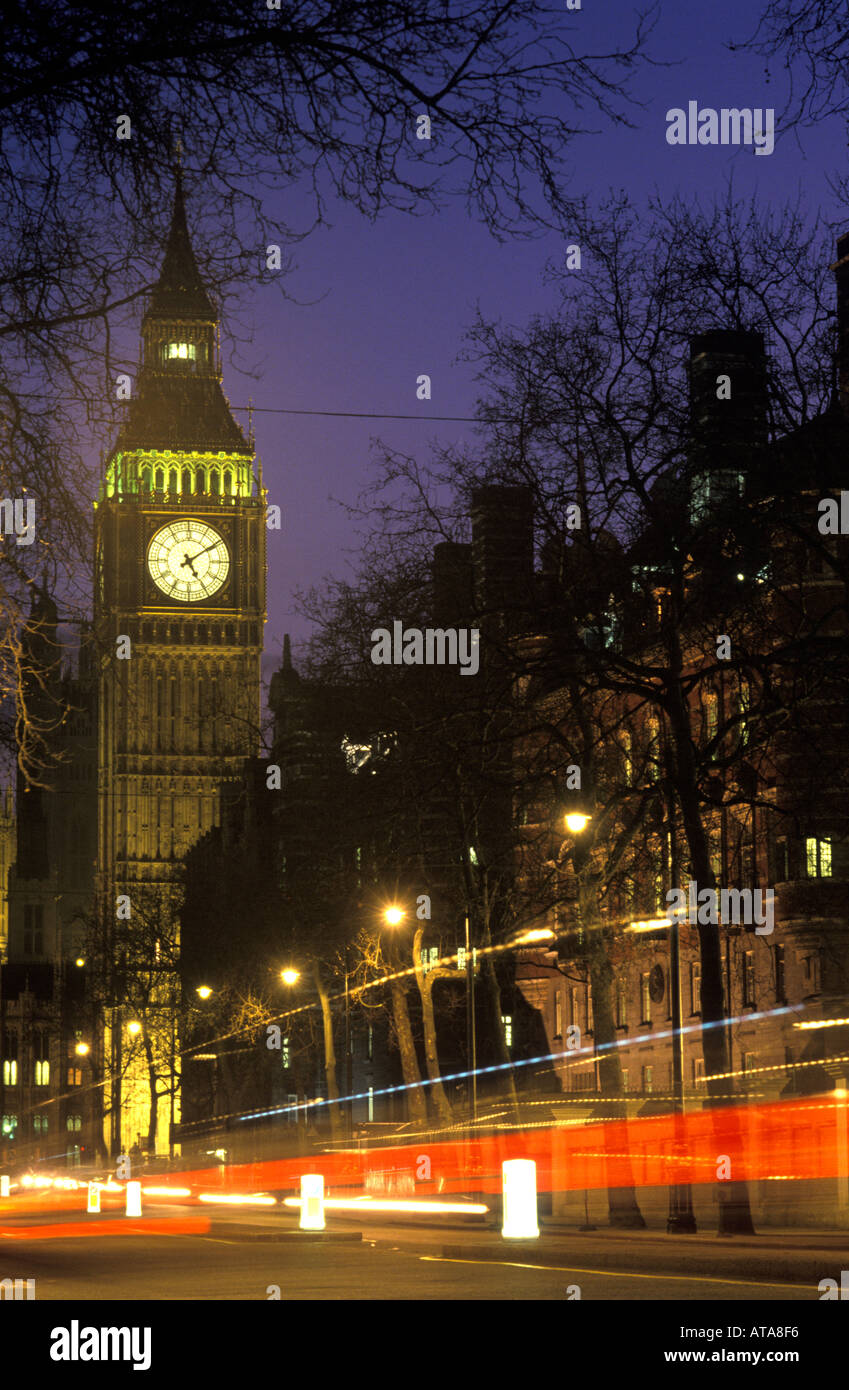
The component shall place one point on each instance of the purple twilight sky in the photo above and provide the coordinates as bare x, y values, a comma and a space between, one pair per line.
383, 302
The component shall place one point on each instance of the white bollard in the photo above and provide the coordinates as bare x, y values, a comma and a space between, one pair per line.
93, 1204
134, 1199
519, 1189
4, 1185
312, 1202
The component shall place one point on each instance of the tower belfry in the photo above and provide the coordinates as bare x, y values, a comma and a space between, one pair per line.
180, 608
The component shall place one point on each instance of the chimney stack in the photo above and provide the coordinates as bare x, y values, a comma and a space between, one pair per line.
503, 547
728, 411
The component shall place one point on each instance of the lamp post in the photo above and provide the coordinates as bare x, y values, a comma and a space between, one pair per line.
681, 1218
349, 1057
471, 1029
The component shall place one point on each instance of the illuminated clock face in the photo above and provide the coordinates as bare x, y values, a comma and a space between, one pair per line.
188, 560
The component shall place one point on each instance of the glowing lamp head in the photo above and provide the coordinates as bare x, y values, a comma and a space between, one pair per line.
204, 991
80, 962
82, 1049
134, 1028
393, 916
577, 822
290, 977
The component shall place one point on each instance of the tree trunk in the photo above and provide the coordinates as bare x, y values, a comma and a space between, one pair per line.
154, 1098
489, 976
329, 1053
734, 1216
622, 1202
407, 1047
425, 983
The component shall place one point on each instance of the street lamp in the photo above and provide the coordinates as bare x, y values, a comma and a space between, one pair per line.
394, 916
134, 1028
82, 1049
290, 977
577, 822
204, 991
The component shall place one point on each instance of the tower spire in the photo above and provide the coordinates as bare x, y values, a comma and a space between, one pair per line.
179, 292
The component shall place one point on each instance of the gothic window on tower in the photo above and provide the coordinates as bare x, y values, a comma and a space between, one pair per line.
41, 1058
33, 929
10, 1058
180, 352
175, 714
160, 713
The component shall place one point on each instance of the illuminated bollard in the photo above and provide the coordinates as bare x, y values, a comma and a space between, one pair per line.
93, 1197
134, 1199
519, 1186
4, 1185
312, 1202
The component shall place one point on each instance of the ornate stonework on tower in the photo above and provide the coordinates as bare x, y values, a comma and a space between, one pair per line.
180, 600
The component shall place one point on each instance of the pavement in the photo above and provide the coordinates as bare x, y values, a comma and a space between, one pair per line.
793, 1256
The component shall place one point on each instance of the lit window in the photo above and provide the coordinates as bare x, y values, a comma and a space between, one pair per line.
622, 1002
818, 857
558, 1015
698, 1071
286, 1054
182, 352
42, 1073
695, 987
627, 760
748, 978
9, 1126
10, 1073
39, 1124
589, 1008
744, 706
711, 713
507, 1020
74, 1123
75, 1076
645, 998
648, 1079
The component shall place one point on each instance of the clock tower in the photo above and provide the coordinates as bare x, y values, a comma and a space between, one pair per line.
180, 607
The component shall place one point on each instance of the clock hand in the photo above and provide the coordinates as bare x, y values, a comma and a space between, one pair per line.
206, 548
187, 560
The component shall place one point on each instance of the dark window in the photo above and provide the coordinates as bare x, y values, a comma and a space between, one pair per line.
780, 992
33, 929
